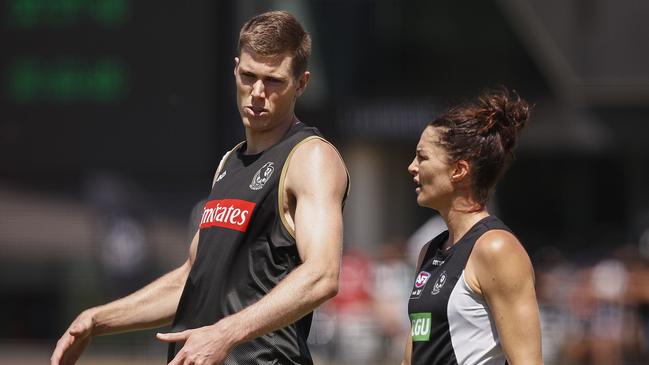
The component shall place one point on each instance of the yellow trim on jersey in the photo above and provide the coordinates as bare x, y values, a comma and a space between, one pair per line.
280, 188
223, 159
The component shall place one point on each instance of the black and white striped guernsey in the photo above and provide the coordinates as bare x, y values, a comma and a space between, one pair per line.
451, 324
245, 248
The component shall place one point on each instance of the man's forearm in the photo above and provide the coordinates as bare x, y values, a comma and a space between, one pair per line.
152, 306
298, 294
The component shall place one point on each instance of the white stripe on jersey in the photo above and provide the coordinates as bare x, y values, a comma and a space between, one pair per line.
473, 331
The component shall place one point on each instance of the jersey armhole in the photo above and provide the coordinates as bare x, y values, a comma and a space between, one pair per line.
469, 289
280, 188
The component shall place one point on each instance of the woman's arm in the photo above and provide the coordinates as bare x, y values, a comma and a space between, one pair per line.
500, 270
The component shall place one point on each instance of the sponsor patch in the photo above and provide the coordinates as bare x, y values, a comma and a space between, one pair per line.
420, 326
420, 283
227, 213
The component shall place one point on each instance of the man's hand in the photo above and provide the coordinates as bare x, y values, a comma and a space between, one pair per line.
208, 345
74, 340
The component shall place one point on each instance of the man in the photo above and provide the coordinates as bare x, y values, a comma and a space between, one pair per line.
267, 251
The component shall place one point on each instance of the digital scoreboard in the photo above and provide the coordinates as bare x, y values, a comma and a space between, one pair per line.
106, 84
35, 73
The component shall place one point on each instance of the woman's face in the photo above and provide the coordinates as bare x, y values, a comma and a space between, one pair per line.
431, 170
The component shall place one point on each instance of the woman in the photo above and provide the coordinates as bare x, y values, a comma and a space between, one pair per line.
473, 301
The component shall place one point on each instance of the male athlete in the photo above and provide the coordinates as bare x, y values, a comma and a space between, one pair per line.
267, 251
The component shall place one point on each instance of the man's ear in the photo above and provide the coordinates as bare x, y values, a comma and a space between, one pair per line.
236, 64
460, 171
302, 83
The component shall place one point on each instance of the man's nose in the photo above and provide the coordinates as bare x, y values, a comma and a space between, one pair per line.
258, 89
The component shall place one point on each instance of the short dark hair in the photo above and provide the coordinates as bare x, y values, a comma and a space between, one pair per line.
484, 132
274, 33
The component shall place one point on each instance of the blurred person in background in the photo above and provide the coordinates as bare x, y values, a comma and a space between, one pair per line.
638, 296
357, 340
473, 301
258, 265
554, 275
392, 274
616, 324
608, 280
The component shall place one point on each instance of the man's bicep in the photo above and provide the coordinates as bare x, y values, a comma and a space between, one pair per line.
318, 183
318, 229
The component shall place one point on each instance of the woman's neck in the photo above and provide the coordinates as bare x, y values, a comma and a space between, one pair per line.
460, 216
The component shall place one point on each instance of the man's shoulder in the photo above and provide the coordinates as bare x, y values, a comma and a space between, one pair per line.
314, 163
316, 150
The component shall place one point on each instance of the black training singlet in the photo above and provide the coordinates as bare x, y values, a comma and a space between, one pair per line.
451, 324
244, 250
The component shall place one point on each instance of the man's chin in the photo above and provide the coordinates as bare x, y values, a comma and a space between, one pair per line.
256, 124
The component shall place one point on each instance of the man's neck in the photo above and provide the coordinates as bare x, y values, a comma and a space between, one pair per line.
257, 142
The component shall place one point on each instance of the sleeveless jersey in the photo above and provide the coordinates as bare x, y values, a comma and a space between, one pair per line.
451, 324
244, 250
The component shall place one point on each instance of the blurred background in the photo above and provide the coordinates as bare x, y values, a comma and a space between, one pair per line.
115, 113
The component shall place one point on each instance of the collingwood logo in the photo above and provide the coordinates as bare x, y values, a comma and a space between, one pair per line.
439, 283
262, 176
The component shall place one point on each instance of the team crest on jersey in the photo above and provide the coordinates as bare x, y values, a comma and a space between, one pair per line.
420, 283
262, 176
441, 280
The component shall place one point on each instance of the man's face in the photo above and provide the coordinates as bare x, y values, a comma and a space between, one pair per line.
266, 89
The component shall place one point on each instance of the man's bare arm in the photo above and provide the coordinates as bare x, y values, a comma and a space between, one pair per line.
316, 179
152, 306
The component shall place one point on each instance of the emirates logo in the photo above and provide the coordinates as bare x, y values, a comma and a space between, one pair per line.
227, 213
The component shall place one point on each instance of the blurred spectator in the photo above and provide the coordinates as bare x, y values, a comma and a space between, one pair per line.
124, 253
594, 313
392, 283
553, 273
357, 340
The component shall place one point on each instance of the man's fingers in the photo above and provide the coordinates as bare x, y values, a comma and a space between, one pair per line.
61, 346
179, 359
173, 337
56, 357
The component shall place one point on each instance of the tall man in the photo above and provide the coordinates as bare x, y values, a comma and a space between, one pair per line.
267, 251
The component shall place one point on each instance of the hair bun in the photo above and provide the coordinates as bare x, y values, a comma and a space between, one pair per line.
504, 113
